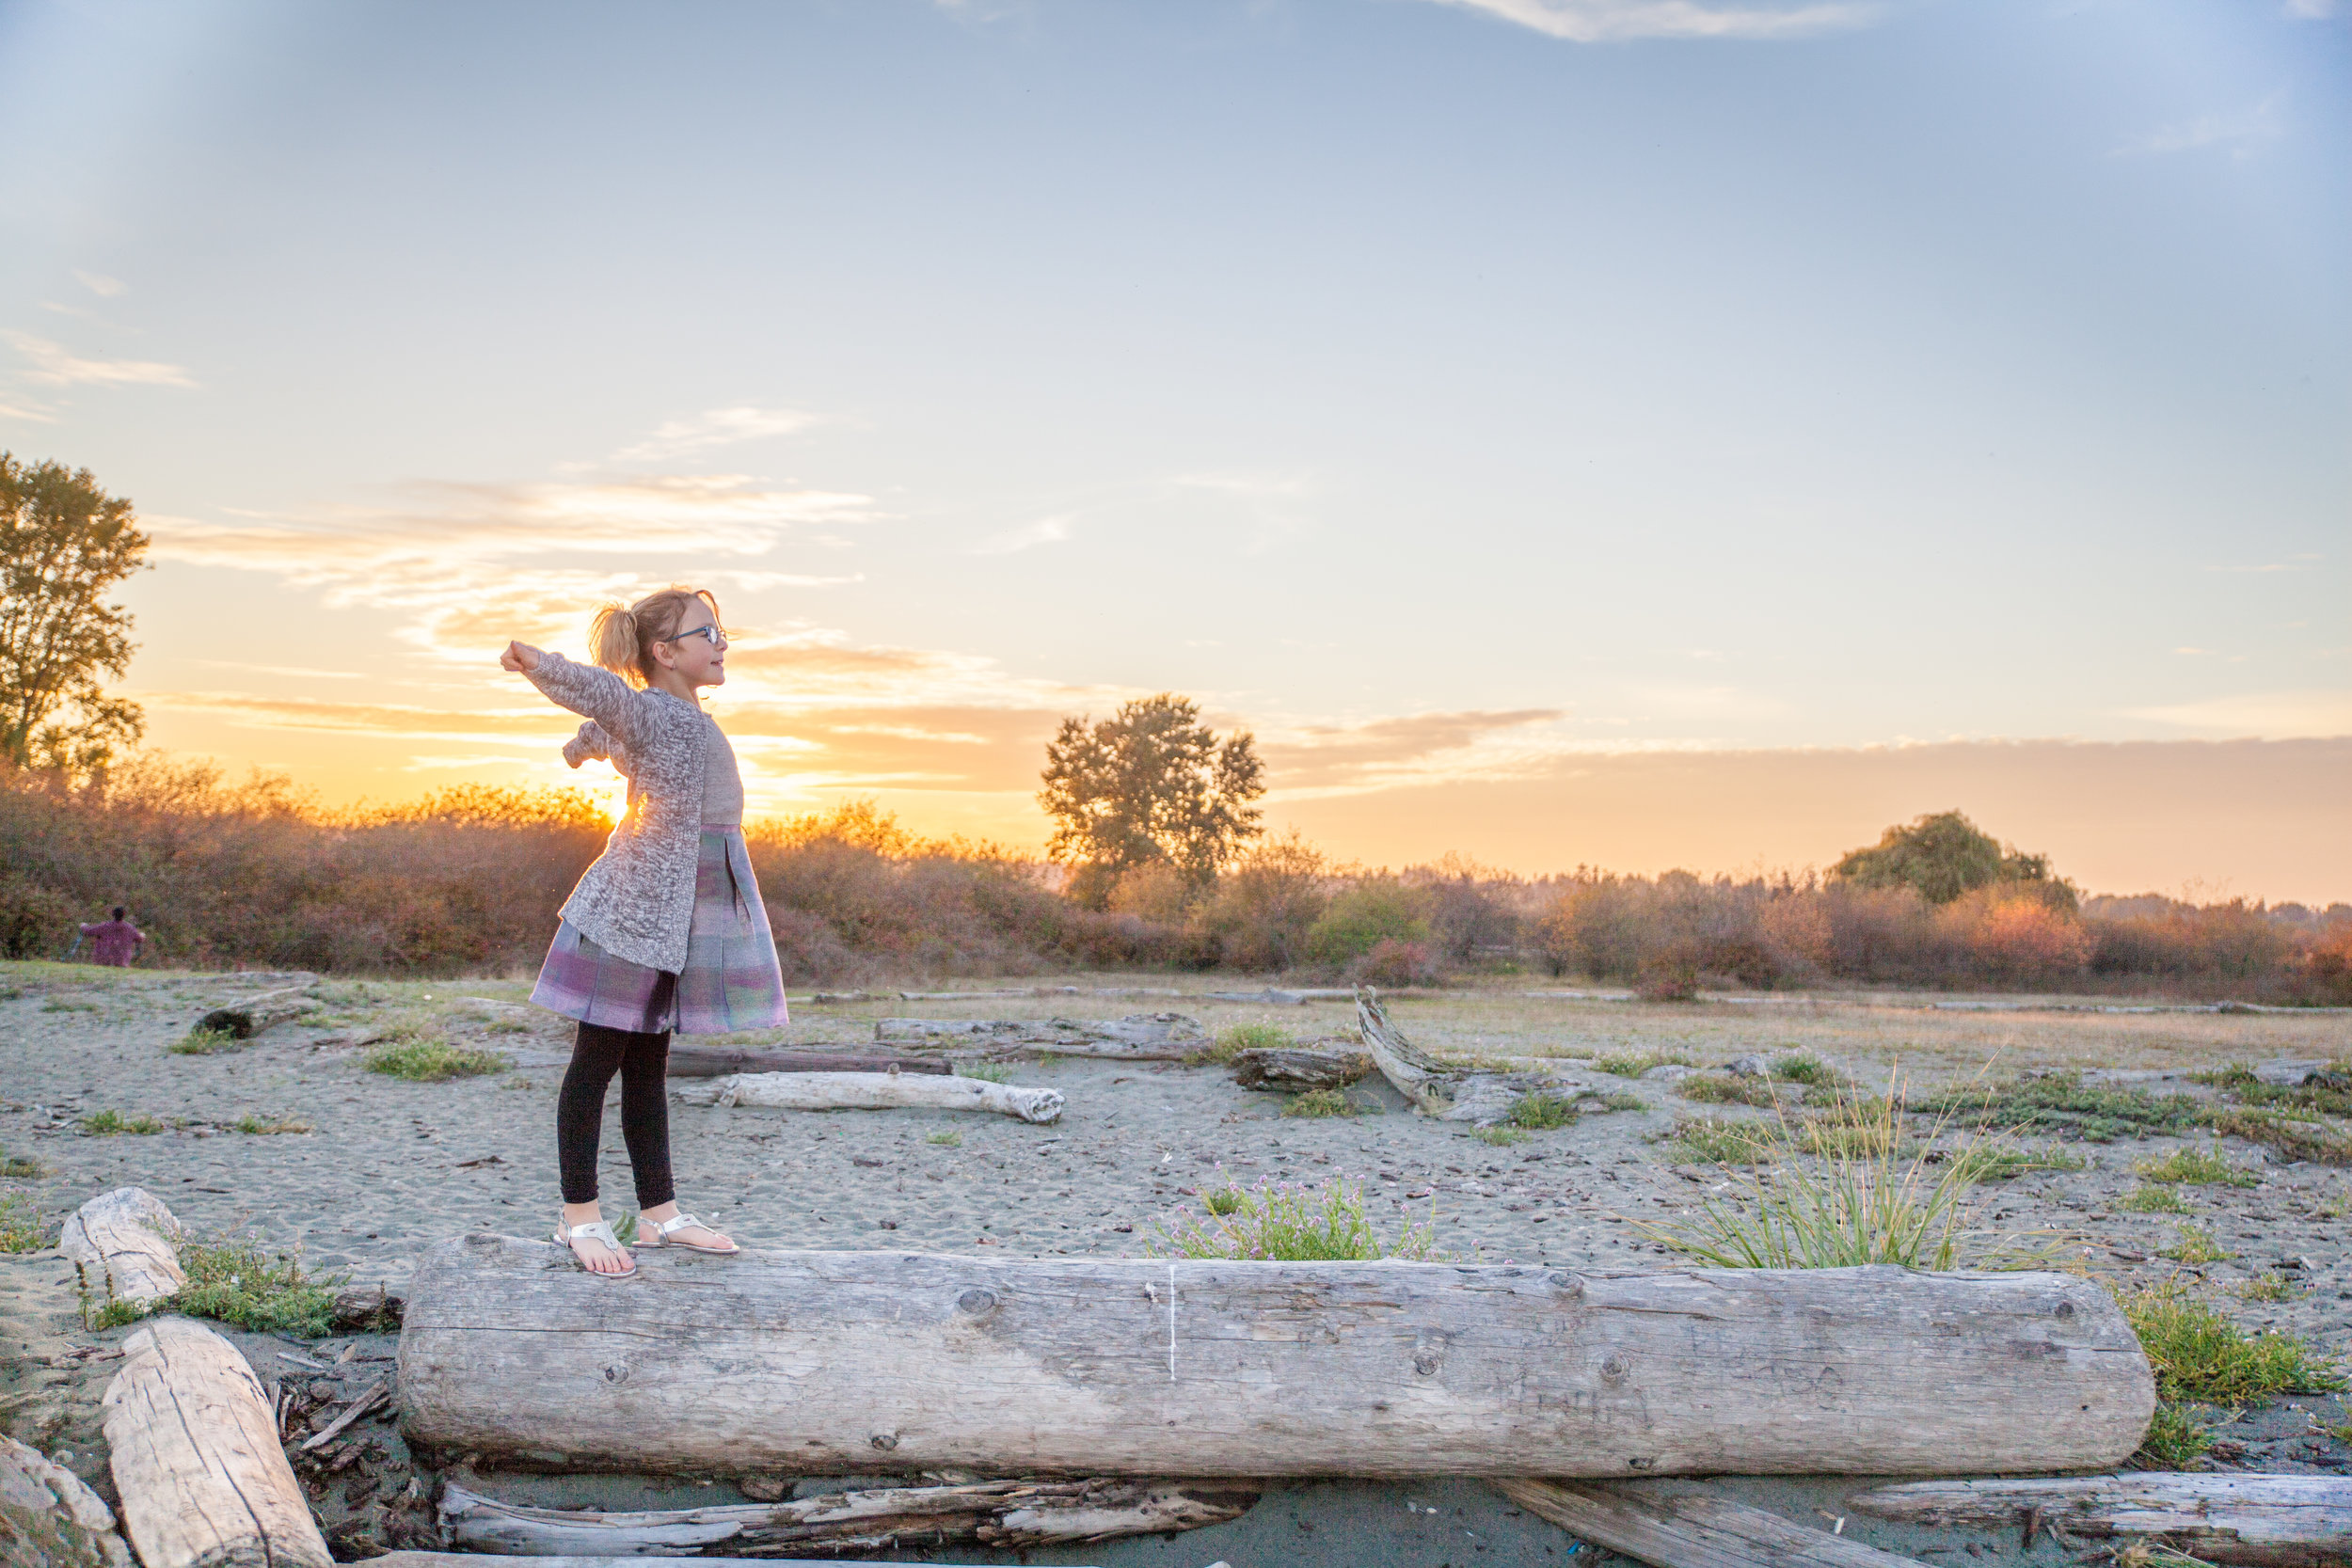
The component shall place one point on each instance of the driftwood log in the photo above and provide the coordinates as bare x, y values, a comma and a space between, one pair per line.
248, 1016
838, 1362
474, 1560
50, 1518
1294, 1067
992, 1512
1674, 1528
1443, 1090
719, 1061
121, 1245
874, 1091
195, 1457
1137, 1037
2270, 1521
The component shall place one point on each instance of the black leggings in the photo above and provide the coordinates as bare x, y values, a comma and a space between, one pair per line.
641, 1061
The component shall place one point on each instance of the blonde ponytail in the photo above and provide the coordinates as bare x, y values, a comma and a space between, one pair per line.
621, 638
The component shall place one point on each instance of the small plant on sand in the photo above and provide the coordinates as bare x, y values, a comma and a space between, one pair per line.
20, 1229
1710, 1141
265, 1126
2175, 1438
1322, 1103
1721, 1089
2062, 1101
2196, 1245
108, 1123
1622, 1102
949, 1139
1540, 1111
233, 1280
431, 1058
1234, 1038
987, 1072
1632, 1063
1224, 1200
2328, 1091
2154, 1201
1803, 1066
1989, 1163
1498, 1135
1865, 1203
1283, 1224
2197, 1353
68, 1005
2262, 1287
2196, 1167
20, 1167
204, 1043
2297, 1140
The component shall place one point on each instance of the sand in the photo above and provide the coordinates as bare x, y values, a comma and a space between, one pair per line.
388, 1166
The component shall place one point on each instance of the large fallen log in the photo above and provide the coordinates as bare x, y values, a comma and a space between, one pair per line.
2270, 1521
1137, 1037
1294, 1067
248, 1016
195, 1457
838, 1362
122, 1244
50, 1518
718, 1061
874, 1091
992, 1512
1673, 1528
1441, 1089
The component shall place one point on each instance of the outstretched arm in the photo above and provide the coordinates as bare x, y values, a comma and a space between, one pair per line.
593, 693
590, 745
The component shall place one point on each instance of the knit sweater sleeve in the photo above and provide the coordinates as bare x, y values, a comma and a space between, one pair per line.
593, 694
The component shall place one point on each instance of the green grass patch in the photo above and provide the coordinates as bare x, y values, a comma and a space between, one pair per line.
204, 1043
2329, 1094
1322, 1103
1707, 1140
2198, 1353
424, 1060
20, 1229
2175, 1439
1622, 1102
68, 1005
2153, 1200
2196, 1167
987, 1072
949, 1139
1500, 1136
234, 1280
110, 1123
21, 1167
1632, 1063
1283, 1224
1718, 1088
2297, 1140
1540, 1111
2063, 1100
1803, 1066
2004, 1162
1234, 1038
261, 1127
2262, 1287
2196, 1245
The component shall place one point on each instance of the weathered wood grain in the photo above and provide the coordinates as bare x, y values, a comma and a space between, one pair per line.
1439, 1088
248, 1016
719, 1061
993, 1513
1677, 1529
50, 1518
873, 1091
1294, 1067
122, 1244
2268, 1521
196, 1458
834, 1363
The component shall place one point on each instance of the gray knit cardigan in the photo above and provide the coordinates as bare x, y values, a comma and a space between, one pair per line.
637, 901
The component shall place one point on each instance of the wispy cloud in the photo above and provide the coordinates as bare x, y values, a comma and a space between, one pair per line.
720, 427
2310, 10
1607, 21
99, 283
2265, 714
1029, 536
31, 415
2240, 132
58, 366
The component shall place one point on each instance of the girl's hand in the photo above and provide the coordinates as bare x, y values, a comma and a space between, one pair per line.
521, 658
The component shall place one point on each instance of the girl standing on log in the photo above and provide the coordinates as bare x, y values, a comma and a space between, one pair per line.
666, 930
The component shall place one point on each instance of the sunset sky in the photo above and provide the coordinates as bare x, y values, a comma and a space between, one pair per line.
1642, 433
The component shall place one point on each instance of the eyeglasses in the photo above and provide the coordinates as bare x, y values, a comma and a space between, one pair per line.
711, 635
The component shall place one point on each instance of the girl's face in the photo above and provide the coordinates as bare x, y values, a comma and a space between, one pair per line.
697, 650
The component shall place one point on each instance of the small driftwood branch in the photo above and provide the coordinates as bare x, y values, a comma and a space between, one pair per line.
248, 1017
122, 1244
1676, 1529
375, 1395
994, 1514
717, 1061
2266, 1521
873, 1091
794, 1361
195, 1457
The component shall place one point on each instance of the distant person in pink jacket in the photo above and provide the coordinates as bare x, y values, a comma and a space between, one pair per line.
117, 940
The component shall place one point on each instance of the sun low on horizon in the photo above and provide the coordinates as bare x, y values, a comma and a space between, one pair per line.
1563, 431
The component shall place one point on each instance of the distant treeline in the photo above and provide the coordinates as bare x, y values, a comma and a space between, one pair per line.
468, 881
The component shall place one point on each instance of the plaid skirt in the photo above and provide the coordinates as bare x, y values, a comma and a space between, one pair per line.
730, 982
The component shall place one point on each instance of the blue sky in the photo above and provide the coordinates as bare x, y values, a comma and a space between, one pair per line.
1456, 394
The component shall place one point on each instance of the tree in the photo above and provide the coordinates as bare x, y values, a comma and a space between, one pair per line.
1151, 784
1944, 856
63, 544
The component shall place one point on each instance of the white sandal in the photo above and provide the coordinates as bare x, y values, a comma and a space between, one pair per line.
663, 1229
596, 1230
